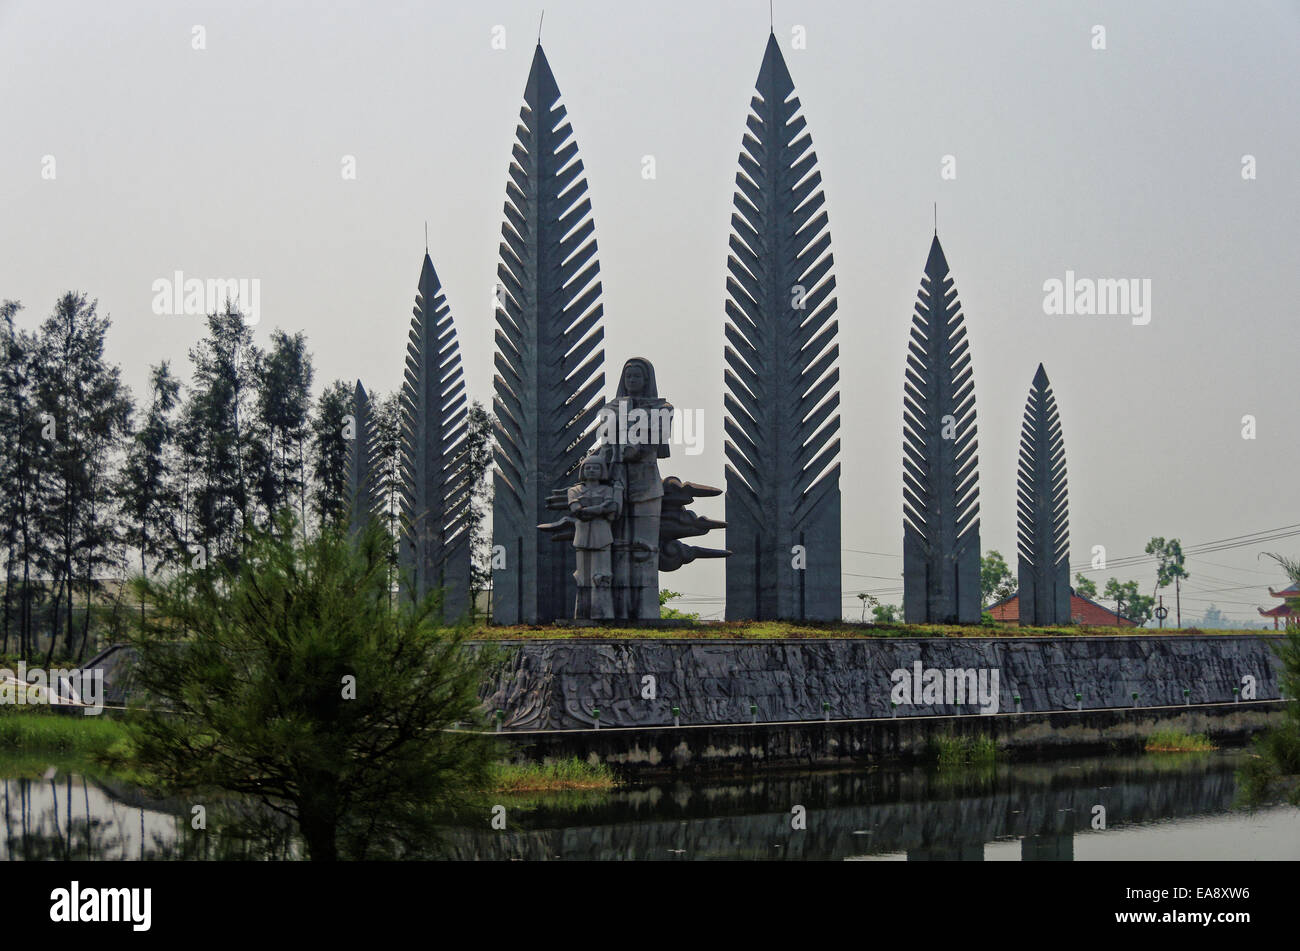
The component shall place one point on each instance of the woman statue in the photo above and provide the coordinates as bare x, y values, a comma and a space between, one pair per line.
635, 432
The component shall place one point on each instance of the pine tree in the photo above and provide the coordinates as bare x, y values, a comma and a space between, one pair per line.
329, 453
218, 436
18, 466
147, 488
85, 414
386, 417
283, 403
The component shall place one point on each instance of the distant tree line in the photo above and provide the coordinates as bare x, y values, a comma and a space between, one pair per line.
94, 486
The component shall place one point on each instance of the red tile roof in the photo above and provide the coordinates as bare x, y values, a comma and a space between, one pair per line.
1082, 611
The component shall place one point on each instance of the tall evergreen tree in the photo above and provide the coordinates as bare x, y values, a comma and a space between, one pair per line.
85, 414
329, 452
217, 437
283, 403
386, 471
18, 468
147, 486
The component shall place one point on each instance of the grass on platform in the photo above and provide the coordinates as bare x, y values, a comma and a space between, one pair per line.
783, 630
551, 776
1171, 741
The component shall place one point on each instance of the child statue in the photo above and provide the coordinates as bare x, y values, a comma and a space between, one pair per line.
594, 504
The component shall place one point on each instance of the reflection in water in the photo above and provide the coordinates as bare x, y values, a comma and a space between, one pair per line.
1043, 811
1177, 806
74, 817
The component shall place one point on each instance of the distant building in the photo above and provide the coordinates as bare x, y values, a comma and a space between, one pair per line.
1284, 611
1082, 611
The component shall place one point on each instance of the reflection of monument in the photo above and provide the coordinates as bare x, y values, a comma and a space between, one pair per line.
782, 388
1043, 513
548, 356
624, 518
941, 528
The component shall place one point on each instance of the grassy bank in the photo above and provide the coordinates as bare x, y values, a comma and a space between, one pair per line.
551, 777
952, 751
782, 630
1171, 741
38, 730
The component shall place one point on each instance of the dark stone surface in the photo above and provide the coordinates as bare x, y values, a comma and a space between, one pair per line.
1042, 506
556, 684
782, 396
435, 548
361, 454
941, 526
548, 355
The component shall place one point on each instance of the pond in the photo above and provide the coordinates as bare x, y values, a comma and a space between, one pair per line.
1155, 806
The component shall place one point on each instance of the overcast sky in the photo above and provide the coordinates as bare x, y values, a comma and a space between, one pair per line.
1125, 162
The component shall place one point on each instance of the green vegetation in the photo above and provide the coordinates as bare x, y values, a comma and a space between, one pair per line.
996, 580
1129, 604
1169, 570
1274, 768
40, 730
950, 751
1171, 741
778, 630
294, 680
666, 612
566, 774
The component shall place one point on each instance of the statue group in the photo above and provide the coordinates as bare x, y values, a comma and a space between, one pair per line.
624, 518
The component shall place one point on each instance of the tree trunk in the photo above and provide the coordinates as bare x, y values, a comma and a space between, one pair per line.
54, 616
9, 583
320, 836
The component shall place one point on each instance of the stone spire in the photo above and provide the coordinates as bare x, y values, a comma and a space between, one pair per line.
782, 384
549, 360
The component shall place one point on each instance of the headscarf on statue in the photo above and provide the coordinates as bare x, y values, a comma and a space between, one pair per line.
636, 429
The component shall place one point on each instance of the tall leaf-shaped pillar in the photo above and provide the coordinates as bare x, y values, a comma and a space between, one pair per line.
435, 550
941, 535
1042, 507
548, 356
361, 459
782, 387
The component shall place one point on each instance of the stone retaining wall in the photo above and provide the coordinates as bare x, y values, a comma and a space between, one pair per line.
558, 684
